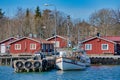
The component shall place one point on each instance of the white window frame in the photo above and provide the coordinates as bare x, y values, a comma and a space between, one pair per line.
90, 46
17, 46
32, 46
103, 48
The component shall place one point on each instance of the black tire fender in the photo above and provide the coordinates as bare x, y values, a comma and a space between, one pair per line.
37, 64
28, 64
19, 64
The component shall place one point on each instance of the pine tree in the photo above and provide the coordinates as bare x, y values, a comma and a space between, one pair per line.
27, 22
1, 14
27, 12
37, 27
37, 12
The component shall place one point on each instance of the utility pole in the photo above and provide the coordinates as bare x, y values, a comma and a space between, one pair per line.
55, 24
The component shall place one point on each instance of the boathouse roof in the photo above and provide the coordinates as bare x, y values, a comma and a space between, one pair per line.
10, 39
109, 39
57, 36
39, 40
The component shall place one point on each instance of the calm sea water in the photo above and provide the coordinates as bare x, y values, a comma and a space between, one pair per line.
91, 73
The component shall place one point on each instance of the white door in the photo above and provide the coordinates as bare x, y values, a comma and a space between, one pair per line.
3, 48
57, 44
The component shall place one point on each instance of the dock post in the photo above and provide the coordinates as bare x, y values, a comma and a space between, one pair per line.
0, 61
6, 61
28, 70
11, 61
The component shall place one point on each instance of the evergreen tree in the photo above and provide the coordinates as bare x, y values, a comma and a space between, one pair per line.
37, 21
27, 22
1, 14
37, 12
27, 12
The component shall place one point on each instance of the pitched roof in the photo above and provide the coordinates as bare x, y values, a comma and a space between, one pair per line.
8, 39
42, 40
34, 39
99, 38
57, 36
112, 38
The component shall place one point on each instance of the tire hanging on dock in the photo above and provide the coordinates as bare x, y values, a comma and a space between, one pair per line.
37, 64
19, 64
28, 64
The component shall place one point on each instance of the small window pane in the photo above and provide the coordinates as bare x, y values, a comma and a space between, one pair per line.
88, 47
32, 46
104, 46
17, 46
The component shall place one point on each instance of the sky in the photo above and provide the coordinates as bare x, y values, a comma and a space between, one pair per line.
75, 8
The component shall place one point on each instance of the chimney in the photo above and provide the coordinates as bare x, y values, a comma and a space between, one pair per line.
18, 36
30, 35
98, 34
35, 35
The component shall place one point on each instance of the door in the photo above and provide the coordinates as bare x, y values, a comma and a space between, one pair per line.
3, 49
57, 44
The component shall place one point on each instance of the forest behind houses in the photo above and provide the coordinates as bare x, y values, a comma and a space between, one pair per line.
41, 23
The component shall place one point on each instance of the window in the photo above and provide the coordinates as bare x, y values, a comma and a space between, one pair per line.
32, 46
104, 46
88, 46
17, 46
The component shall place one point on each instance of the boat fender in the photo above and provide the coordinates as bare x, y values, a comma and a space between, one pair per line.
28, 64
37, 64
19, 64
44, 64
78, 57
13, 65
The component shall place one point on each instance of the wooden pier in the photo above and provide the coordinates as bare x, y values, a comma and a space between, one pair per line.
29, 64
8, 59
105, 59
32, 65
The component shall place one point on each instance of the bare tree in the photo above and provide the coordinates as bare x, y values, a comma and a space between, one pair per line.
102, 19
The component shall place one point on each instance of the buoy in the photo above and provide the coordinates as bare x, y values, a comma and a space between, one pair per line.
28, 64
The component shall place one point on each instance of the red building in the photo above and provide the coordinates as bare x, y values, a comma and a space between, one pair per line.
4, 45
28, 45
61, 42
102, 45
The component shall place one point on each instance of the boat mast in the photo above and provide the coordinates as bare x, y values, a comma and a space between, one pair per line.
68, 32
79, 41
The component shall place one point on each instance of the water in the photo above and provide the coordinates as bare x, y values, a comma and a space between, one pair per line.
91, 73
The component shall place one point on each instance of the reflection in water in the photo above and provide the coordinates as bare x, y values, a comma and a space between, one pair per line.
60, 72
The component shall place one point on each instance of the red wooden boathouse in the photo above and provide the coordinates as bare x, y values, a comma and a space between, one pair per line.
4, 44
61, 42
102, 45
28, 45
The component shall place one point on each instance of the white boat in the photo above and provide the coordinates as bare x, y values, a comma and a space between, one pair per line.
72, 61
75, 60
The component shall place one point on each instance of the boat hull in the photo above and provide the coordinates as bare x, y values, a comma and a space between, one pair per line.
63, 63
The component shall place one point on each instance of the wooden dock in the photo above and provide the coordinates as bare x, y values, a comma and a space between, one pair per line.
28, 63
8, 59
105, 59
33, 65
